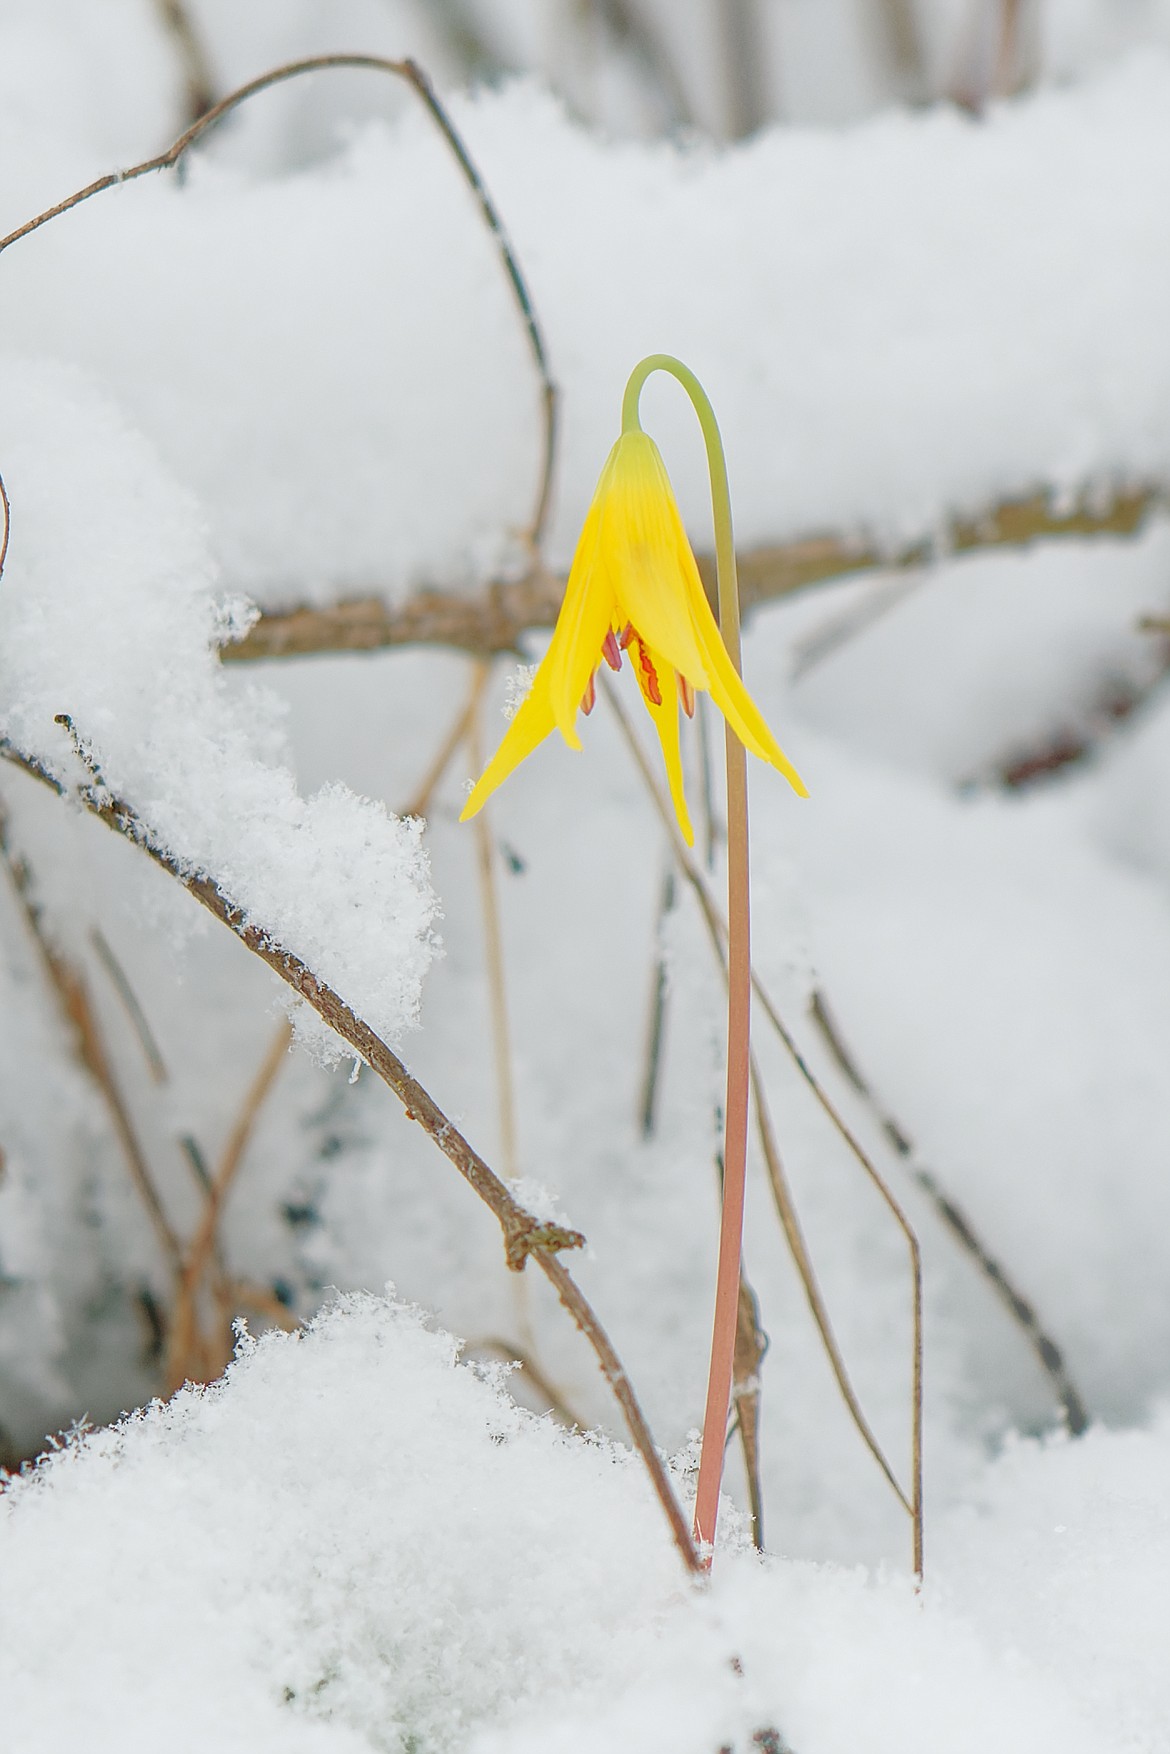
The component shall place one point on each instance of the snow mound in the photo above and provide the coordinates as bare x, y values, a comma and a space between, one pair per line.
355, 1542
110, 613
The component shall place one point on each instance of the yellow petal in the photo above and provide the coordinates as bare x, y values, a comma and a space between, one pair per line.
584, 620
659, 590
641, 552
664, 713
532, 724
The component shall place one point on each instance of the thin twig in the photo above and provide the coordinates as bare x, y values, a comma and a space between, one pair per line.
524, 1234
184, 1321
493, 937
1049, 1354
239, 1294
68, 985
513, 1354
717, 928
632, 31
414, 76
6, 510
496, 619
130, 1004
200, 88
648, 1101
751, 1343
420, 802
794, 1235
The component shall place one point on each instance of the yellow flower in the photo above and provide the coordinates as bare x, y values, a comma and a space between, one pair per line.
634, 586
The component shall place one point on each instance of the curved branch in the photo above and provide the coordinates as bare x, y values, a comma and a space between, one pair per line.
414, 76
496, 619
524, 1234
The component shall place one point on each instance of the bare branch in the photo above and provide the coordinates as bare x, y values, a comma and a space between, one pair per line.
717, 929
72, 994
4, 508
414, 76
200, 87
496, 619
184, 1329
511, 1353
1049, 1354
119, 980
524, 1234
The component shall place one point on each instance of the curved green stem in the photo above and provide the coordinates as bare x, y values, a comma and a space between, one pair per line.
739, 987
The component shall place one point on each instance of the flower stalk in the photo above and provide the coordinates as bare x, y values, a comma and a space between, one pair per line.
634, 589
739, 965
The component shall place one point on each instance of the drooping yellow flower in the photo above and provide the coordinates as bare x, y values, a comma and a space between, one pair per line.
634, 586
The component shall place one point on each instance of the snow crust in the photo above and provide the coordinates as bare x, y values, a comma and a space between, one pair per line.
356, 1542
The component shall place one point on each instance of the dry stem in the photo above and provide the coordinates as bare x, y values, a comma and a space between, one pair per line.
524, 1234
510, 1353
717, 928
751, 1343
200, 92
184, 1342
1023, 1311
151, 1052
420, 802
492, 935
414, 76
68, 985
495, 619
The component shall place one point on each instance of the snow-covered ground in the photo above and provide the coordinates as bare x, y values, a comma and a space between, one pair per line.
295, 376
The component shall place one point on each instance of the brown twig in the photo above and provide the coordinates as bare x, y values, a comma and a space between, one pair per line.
798, 1248
420, 802
751, 1343
496, 619
414, 76
656, 1023
1049, 1354
237, 1294
893, 1206
184, 1340
68, 985
492, 936
200, 88
6, 510
524, 1234
130, 1004
632, 31
717, 929
513, 1354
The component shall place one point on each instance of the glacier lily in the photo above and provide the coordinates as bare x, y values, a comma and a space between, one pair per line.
634, 587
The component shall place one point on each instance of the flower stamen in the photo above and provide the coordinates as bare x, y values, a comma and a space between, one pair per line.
647, 675
611, 652
686, 694
588, 699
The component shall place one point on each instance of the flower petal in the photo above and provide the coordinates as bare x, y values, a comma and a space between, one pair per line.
664, 713
531, 726
660, 591
584, 620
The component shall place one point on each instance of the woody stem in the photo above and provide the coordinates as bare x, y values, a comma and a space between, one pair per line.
735, 1120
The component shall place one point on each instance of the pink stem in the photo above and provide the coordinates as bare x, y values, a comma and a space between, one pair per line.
735, 1128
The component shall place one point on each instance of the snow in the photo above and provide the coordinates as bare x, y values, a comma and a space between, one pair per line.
355, 1541
295, 375
112, 616
403, 444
